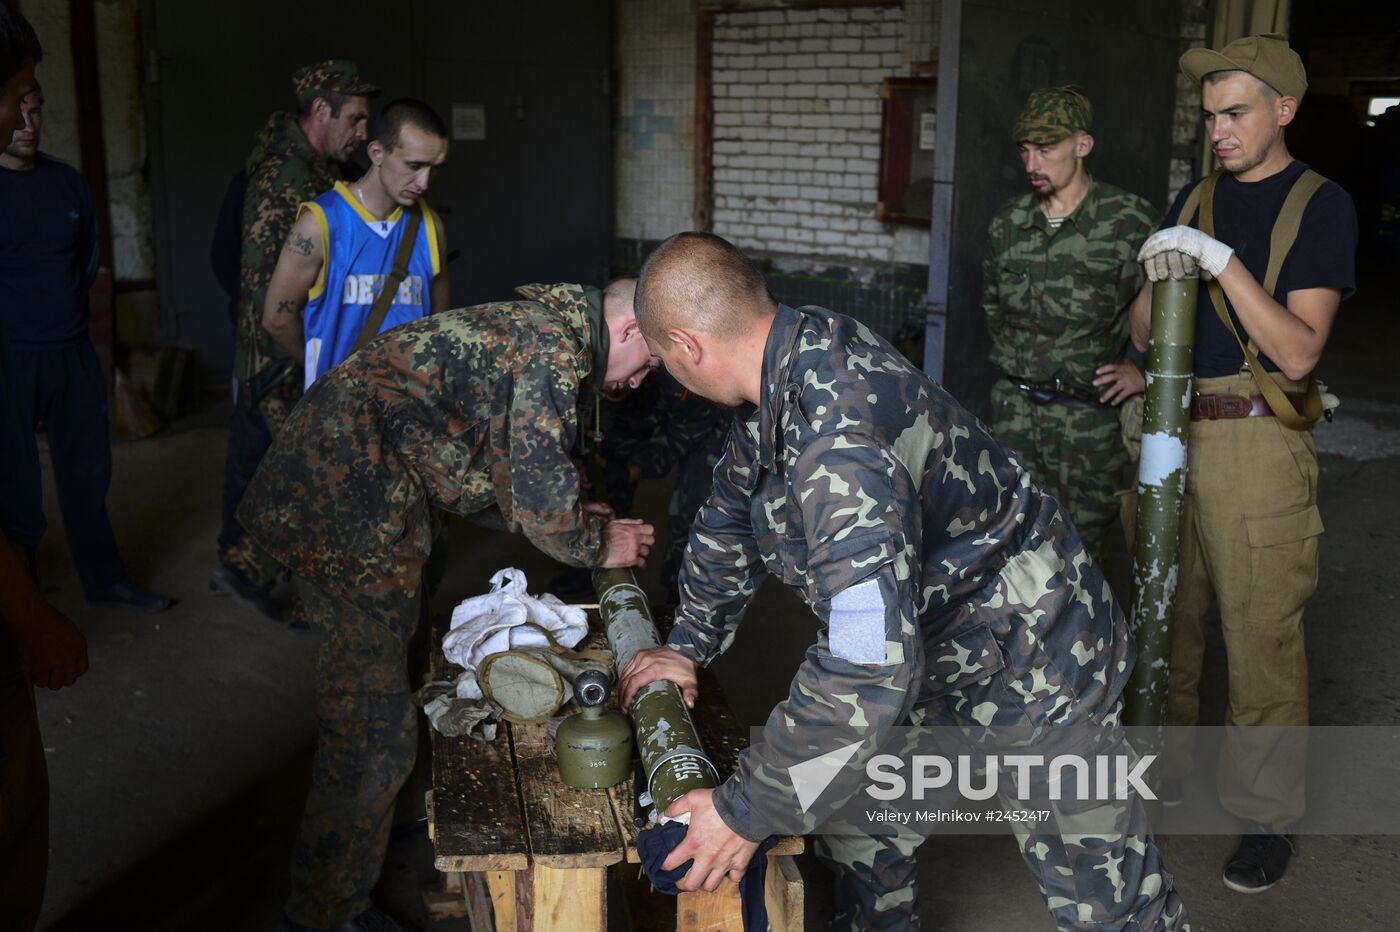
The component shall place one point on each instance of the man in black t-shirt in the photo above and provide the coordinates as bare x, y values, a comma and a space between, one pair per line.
1250, 526
48, 258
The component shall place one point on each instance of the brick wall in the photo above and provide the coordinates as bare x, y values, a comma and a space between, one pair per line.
797, 129
796, 114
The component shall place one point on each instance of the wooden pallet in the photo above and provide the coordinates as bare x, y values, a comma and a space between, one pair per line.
520, 849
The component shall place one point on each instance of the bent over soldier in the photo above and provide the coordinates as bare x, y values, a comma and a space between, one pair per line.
950, 589
471, 412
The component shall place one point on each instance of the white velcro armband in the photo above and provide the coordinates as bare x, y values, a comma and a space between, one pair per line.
857, 627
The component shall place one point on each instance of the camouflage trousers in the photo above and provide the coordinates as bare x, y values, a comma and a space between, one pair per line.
367, 728
1075, 454
1091, 878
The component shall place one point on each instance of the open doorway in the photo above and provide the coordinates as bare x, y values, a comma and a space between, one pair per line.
1348, 128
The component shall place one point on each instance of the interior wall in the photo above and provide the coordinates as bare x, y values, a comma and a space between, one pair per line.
654, 119
528, 202
821, 245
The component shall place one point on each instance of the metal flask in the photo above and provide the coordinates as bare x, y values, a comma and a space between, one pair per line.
594, 747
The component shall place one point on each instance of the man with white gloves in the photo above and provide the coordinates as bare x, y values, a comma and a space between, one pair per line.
1275, 243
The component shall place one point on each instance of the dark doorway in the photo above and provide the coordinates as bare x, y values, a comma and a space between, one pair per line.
1351, 49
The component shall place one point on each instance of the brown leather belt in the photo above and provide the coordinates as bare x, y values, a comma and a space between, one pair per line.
1224, 407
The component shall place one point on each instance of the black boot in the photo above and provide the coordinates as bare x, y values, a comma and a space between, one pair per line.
1258, 863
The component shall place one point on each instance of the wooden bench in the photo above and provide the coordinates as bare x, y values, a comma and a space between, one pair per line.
520, 849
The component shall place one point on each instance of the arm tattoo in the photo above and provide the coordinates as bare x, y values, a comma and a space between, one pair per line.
288, 307
301, 245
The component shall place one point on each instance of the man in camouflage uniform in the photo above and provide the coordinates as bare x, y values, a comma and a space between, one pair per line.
296, 157
950, 589
472, 412
658, 427
1058, 276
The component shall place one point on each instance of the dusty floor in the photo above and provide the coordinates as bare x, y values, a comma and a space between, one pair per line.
179, 762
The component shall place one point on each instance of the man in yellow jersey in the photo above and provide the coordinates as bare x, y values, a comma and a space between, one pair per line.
341, 251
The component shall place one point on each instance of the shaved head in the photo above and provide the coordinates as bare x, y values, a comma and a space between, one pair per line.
618, 296
698, 281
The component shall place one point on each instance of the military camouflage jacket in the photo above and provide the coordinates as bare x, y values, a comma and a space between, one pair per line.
283, 170
472, 411
859, 482
1057, 300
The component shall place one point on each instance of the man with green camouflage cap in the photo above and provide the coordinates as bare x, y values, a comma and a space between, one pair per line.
1250, 523
295, 158
1058, 275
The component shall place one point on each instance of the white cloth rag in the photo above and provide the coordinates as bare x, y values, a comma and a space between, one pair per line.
506, 618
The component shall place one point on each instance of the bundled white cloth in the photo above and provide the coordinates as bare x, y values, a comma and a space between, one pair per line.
507, 618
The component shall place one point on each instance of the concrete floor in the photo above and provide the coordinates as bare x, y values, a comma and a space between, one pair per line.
178, 764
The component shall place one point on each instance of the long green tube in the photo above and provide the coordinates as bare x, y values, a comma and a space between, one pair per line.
1161, 488
672, 757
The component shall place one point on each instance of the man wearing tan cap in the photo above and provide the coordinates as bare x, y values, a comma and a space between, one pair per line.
1250, 527
1058, 276
295, 158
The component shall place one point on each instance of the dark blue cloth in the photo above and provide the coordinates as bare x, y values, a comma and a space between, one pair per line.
249, 438
655, 844
48, 254
64, 389
226, 248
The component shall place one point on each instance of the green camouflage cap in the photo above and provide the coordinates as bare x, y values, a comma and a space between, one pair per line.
336, 76
1051, 114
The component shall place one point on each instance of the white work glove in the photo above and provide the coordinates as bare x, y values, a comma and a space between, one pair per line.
1178, 252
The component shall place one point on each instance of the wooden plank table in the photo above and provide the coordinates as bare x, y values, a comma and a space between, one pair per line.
522, 850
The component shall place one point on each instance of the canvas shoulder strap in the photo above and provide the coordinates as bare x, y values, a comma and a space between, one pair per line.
1284, 234
413, 219
1193, 200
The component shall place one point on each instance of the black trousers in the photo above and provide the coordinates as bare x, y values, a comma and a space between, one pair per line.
248, 440
63, 389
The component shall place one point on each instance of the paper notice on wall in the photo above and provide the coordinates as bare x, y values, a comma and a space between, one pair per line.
469, 121
927, 121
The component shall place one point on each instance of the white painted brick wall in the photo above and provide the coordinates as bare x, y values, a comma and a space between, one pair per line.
796, 143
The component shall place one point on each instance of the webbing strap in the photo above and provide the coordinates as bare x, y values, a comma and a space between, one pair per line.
1281, 240
412, 219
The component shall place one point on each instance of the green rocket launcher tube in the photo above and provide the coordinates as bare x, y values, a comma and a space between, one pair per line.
1161, 487
672, 758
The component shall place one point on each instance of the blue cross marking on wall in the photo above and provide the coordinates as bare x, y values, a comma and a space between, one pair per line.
644, 123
